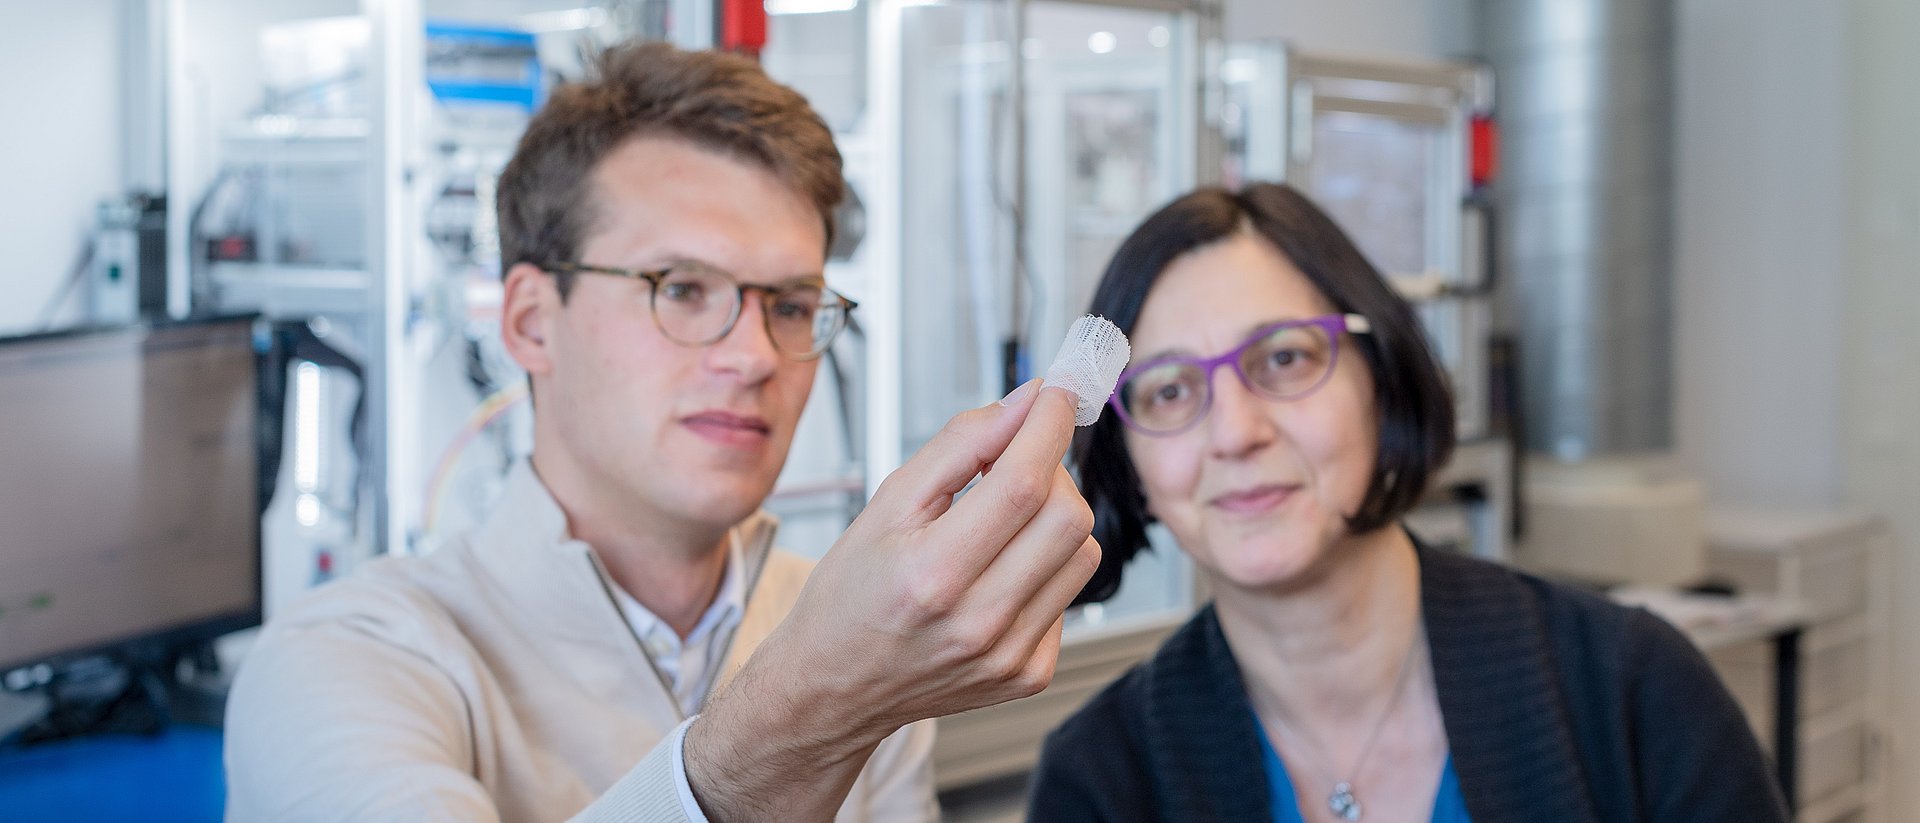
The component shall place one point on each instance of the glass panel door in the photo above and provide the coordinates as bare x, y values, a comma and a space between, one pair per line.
1110, 116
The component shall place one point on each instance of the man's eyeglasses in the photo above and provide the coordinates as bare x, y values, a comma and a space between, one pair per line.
697, 305
1283, 361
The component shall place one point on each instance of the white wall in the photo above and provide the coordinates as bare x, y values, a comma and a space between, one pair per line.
1760, 257
1799, 278
61, 145
1881, 405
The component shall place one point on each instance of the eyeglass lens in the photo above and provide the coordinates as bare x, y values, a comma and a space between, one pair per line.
697, 305
1281, 364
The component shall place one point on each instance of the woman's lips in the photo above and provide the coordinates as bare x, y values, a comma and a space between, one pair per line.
1255, 500
728, 429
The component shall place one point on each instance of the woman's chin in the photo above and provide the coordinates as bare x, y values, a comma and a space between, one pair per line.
1267, 566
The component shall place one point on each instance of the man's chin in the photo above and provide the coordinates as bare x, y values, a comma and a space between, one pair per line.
722, 499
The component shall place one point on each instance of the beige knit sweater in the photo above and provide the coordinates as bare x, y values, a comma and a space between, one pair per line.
496, 679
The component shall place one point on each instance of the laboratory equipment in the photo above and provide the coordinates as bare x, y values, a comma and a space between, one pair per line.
348, 189
130, 500
129, 267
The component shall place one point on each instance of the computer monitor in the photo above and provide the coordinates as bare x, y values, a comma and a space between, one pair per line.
129, 511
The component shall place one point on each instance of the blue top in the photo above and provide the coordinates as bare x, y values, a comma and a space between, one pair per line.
1448, 805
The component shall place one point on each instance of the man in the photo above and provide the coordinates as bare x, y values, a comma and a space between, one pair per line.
619, 640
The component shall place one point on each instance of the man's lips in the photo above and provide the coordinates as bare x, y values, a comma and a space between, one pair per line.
728, 428
1254, 499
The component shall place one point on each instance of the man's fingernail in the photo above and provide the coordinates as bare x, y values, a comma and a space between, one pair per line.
1019, 395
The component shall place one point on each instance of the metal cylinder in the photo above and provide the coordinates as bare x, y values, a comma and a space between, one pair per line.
1585, 102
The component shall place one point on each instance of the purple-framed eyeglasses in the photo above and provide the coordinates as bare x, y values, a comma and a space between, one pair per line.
1283, 361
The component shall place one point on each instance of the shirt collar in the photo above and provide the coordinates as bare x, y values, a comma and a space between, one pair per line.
526, 535
729, 602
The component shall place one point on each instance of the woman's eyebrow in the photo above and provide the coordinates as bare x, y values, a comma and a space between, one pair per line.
1264, 324
1245, 333
1166, 353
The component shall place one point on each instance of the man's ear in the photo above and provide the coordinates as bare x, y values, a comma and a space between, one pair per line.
528, 308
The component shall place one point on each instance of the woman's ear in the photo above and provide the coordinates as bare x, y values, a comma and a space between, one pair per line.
528, 308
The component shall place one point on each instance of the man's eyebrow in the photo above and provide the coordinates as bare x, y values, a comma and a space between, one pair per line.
812, 278
676, 259
808, 279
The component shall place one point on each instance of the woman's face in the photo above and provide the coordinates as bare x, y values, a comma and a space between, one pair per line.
1257, 491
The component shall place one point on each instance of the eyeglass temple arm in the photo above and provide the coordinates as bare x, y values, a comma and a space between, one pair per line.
1357, 323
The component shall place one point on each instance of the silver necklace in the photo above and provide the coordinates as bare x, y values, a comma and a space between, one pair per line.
1342, 801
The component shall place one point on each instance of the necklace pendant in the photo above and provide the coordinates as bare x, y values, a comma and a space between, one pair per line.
1342, 802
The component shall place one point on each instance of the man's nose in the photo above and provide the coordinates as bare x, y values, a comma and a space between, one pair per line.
748, 348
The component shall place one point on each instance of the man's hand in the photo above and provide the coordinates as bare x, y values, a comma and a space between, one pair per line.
927, 606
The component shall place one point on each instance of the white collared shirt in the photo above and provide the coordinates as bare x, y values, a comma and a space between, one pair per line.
689, 666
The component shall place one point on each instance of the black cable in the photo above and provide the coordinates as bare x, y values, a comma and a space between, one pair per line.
75, 276
477, 372
295, 341
196, 252
1011, 208
842, 390
1480, 200
101, 696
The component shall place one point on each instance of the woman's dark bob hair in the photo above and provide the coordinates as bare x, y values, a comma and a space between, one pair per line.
1414, 407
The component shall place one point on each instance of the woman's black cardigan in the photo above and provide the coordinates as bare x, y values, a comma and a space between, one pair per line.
1559, 706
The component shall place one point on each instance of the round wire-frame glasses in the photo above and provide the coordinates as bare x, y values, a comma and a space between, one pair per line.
698, 305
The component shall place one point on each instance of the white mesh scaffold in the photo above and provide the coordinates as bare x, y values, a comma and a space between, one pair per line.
1089, 365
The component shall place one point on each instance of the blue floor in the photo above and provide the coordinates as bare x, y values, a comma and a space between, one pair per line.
174, 777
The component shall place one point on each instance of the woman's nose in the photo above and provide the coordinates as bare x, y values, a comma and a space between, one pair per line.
1239, 422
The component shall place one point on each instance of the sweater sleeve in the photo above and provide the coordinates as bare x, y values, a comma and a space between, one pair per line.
897, 784
327, 722
1698, 758
655, 791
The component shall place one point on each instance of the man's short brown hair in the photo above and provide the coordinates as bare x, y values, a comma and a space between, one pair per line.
718, 101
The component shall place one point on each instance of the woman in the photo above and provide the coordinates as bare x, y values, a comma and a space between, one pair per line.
1281, 414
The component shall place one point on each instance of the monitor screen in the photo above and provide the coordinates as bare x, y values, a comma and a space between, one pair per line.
128, 487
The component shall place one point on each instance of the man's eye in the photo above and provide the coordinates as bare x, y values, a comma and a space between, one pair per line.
793, 309
683, 292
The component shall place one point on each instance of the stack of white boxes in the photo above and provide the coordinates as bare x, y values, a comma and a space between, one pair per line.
1835, 567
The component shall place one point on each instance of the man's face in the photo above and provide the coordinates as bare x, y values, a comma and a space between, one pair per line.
695, 434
